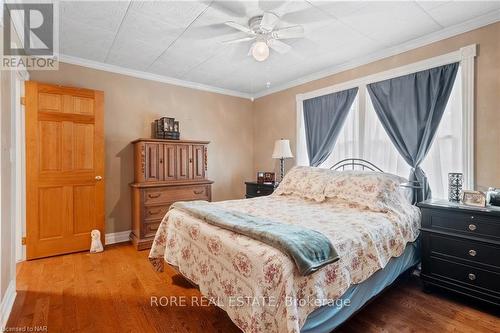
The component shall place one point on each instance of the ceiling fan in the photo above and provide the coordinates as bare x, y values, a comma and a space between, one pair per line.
261, 30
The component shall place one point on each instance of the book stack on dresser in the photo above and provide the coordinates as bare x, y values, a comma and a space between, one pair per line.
461, 249
166, 171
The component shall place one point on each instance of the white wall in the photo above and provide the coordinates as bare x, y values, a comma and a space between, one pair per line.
7, 227
7, 195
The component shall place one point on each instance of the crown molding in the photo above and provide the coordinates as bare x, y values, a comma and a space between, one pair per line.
149, 76
451, 31
388, 52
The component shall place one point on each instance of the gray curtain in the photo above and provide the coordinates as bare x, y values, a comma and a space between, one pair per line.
324, 116
410, 108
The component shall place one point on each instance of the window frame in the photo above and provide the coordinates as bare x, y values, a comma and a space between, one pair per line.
465, 56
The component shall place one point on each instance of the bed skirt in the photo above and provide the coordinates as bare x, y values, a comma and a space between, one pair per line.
327, 318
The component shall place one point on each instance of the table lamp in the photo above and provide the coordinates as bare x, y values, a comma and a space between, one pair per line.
281, 152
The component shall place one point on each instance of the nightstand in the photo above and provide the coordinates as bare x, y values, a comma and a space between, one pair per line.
461, 249
255, 189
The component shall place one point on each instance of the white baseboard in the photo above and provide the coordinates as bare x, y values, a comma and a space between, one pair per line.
111, 238
117, 237
7, 303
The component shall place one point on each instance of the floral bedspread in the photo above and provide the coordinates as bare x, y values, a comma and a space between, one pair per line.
259, 286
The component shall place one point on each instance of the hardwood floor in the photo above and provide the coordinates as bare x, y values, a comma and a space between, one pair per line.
110, 292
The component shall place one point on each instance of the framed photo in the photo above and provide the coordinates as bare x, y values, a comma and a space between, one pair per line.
474, 198
260, 177
168, 124
269, 177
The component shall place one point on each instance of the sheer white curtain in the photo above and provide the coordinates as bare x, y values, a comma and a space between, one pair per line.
377, 146
446, 153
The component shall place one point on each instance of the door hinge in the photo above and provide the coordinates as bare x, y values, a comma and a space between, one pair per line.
23, 240
22, 100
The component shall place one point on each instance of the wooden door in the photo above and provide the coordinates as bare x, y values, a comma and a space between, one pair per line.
184, 160
64, 168
199, 162
169, 162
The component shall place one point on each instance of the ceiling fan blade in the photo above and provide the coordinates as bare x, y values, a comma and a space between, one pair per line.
279, 46
238, 40
296, 31
269, 20
239, 27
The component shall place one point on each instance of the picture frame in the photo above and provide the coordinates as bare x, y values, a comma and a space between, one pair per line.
168, 124
269, 177
474, 198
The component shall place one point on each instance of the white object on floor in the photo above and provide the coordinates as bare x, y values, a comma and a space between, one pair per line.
96, 244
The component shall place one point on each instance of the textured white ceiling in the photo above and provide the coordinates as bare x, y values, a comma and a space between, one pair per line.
182, 39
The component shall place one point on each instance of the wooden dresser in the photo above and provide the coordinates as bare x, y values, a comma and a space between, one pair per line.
166, 171
461, 249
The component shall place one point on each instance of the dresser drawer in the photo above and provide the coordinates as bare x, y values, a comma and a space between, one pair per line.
155, 212
465, 249
258, 190
464, 274
150, 228
461, 222
168, 195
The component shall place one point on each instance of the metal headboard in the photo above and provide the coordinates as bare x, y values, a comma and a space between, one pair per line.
352, 163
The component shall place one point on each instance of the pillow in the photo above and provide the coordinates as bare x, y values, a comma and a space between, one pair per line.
306, 182
372, 190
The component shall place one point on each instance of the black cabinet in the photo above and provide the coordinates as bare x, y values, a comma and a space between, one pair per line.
461, 249
255, 189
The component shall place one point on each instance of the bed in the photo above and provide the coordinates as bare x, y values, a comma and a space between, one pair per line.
371, 225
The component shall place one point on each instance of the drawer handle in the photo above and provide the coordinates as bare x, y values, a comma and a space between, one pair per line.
472, 227
153, 196
150, 212
198, 192
472, 253
472, 217
258, 192
472, 276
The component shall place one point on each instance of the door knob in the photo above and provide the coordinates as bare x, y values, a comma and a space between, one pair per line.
98, 178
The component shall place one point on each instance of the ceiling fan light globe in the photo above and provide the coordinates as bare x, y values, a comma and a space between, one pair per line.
260, 51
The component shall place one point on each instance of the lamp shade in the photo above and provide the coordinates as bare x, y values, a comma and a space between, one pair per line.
282, 149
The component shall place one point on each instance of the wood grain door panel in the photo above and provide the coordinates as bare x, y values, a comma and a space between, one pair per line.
84, 201
198, 161
153, 167
83, 146
183, 159
64, 155
169, 162
51, 217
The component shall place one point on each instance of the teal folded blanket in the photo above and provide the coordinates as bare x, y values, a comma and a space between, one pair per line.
309, 249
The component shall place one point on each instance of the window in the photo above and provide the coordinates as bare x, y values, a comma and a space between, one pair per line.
363, 136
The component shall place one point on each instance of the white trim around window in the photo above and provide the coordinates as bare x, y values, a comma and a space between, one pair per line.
465, 56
